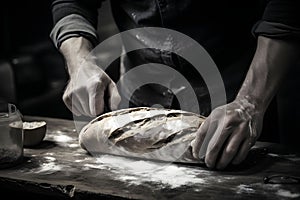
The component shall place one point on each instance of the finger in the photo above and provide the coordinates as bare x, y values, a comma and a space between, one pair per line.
97, 100
71, 101
82, 97
231, 148
114, 96
96, 88
200, 135
76, 105
219, 134
68, 102
242, 154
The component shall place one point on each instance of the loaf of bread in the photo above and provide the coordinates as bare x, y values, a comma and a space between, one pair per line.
147, 133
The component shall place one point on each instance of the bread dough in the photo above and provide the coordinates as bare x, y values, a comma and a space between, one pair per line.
148, 133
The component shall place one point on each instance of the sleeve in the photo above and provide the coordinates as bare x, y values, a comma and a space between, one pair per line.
280, 20
74, 18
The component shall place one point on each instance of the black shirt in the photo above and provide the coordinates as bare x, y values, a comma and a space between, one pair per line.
226, 29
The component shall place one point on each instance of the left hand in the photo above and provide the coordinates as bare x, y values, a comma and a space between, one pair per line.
234, 129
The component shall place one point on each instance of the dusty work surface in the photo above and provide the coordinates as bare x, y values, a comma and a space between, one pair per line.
59, 167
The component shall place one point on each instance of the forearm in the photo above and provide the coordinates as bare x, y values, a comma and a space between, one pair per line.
270, 64
74, 18
75, 50
85, 92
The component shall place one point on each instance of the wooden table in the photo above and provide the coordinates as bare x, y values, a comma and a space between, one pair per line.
60, 167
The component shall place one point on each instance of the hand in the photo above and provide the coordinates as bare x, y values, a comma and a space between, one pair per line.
87, 88
232, 130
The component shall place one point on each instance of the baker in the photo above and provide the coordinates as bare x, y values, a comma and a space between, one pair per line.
253, 43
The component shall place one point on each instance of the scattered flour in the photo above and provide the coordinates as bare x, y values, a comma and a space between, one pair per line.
93, 166
274, 189
62, 138
51, 159
48, 168
244, 189
286, 193
172, 176
74, 145
139, 172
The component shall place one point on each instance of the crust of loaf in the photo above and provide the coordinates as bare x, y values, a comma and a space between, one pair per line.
143, 132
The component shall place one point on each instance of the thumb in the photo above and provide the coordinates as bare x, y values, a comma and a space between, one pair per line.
200, 136
114, 97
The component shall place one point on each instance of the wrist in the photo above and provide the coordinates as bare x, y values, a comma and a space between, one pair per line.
75, 51
251, 104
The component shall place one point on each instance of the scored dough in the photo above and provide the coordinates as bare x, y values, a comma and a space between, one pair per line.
147, 133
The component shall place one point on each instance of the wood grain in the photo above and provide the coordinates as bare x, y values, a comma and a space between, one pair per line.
61, 169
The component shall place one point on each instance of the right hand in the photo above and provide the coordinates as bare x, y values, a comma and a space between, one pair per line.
87, 89
231, 130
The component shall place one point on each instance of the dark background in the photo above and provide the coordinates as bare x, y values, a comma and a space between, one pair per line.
33, 75
32, 71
